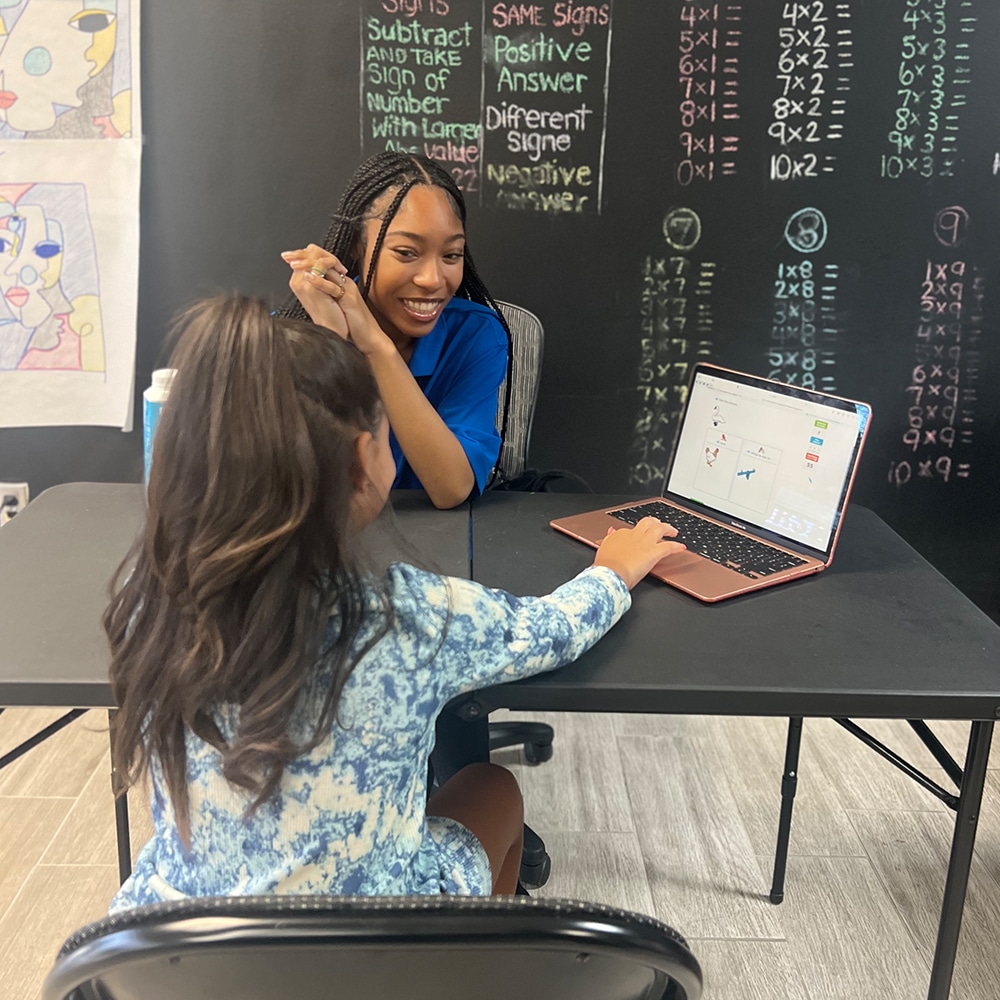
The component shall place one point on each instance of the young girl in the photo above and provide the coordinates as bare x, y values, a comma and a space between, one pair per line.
436, 343
281, 698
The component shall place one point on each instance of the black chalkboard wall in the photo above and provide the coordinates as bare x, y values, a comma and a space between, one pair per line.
807, 190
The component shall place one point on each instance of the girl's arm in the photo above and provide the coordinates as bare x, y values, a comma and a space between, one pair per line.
491, 637
499, 637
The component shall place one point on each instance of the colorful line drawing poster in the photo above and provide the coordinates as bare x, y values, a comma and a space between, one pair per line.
69, 270
69, 211
68, 69
49, 280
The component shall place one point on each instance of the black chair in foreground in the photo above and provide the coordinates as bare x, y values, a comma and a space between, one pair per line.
376, 948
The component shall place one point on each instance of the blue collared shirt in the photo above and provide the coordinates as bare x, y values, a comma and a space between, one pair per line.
459, 366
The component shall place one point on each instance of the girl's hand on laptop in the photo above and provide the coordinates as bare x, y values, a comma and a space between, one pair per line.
633, 552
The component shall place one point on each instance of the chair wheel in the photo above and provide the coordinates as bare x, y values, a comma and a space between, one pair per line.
537, 753
535, 876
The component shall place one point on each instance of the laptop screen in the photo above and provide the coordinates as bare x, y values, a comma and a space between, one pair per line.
771, 455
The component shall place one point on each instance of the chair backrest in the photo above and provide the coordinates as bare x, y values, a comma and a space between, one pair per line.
376, 948
526, 337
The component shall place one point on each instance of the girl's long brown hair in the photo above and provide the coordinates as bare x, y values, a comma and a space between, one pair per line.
246, 550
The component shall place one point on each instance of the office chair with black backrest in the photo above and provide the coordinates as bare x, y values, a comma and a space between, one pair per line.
526, 343
423, 948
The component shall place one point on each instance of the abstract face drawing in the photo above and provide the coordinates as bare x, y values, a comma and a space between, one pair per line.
31, 254
47, 54
50, 311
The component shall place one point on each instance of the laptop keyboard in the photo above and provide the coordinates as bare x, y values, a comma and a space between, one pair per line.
714, 541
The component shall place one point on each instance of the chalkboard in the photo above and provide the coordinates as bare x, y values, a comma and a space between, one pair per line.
802, 190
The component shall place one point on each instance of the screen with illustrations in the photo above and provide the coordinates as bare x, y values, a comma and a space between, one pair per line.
768, 454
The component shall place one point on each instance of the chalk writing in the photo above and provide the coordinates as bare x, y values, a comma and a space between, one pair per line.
932, 84
950, 225
804, 322
815, 57
806, 230
803, 325
420, 81
682, 228
944, 379
708, 71
676, 323
545, 71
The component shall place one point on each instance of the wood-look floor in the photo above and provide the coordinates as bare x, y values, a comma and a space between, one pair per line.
672, 816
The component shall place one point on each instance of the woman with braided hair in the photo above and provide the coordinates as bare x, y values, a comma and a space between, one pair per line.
395, 277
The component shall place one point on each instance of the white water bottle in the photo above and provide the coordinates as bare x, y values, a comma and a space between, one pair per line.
152, 403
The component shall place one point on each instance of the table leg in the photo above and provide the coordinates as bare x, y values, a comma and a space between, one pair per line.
51, 729
789, 780
121, 813
966, 822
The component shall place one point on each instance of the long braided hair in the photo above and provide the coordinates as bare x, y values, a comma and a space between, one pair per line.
345, 237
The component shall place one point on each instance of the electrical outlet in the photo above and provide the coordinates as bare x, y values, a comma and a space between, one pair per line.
13, 499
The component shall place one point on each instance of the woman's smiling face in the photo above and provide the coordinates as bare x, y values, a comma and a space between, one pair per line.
420, 266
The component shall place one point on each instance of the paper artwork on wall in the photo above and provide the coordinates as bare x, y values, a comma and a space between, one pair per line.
70, 156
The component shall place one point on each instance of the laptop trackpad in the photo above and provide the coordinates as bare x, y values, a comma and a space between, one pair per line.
679, 562
700, 577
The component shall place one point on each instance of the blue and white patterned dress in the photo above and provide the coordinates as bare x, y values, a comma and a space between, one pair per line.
349, 817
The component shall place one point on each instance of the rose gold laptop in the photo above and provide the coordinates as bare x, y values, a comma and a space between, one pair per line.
757, 486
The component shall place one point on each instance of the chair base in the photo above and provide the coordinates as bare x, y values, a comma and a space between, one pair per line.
536, 865
535, 736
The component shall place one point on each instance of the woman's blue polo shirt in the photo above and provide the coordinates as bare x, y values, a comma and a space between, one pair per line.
459, 366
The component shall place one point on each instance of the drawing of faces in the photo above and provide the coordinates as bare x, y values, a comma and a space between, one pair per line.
31, 255
49, 52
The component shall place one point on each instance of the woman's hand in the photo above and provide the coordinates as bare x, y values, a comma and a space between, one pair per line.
319, 297
633, 552
319, 281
